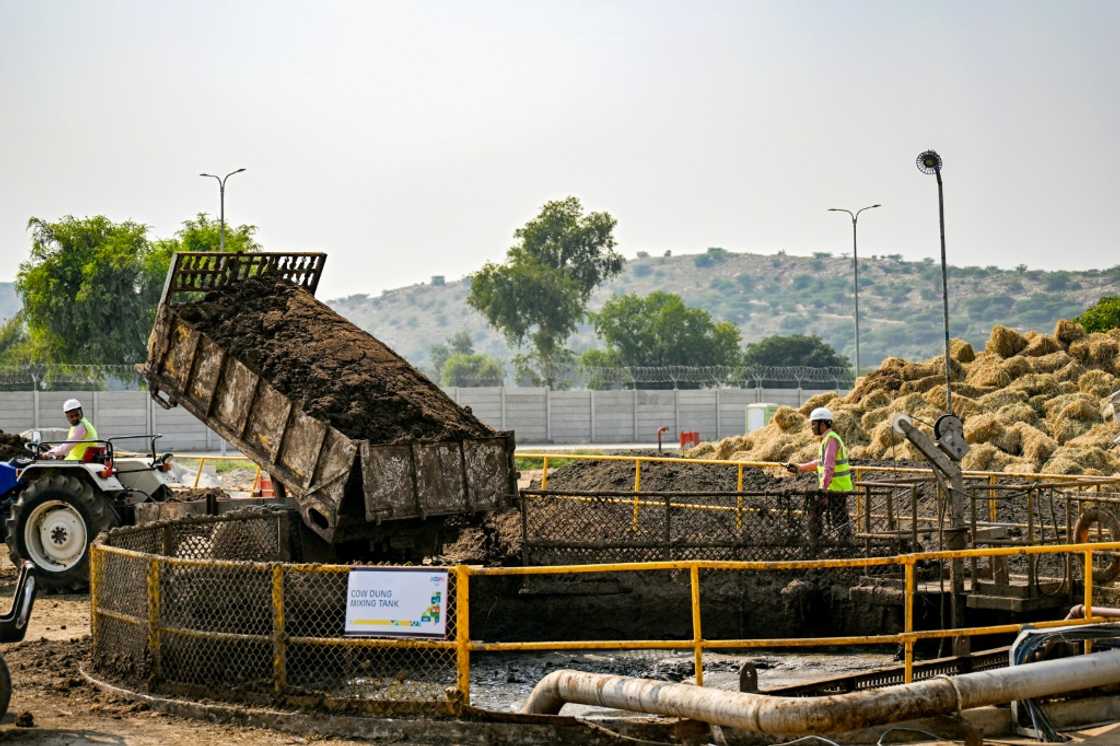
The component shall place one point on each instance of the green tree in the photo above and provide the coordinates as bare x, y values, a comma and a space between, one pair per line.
466, 369
539, 294
797, 349
458, 343
658, 330
1102, 315
14, 344
90, 286
201, 233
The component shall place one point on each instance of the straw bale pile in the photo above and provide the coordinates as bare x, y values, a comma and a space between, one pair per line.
1006, 342
1031, 403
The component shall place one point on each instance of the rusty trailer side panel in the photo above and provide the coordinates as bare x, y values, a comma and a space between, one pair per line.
336, 481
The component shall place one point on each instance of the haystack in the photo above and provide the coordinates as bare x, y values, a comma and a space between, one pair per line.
1052, 362
1042, 345
1068, 332
1018, 412
1005, 342
1098, 383
1097, 349
820, 400
1035, 445
961, 351
1029, 401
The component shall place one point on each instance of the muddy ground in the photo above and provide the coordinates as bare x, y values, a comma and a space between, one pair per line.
339, 372
11, 446
53, 706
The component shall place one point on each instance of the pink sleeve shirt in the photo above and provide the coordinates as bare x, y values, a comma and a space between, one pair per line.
77, 433
830, 450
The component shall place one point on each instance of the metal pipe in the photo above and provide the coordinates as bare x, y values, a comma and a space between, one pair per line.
1108, 612
787, 716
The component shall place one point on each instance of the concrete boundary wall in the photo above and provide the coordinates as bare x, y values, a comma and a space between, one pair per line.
537, 415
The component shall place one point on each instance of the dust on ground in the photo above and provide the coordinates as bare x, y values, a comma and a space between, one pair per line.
341, 374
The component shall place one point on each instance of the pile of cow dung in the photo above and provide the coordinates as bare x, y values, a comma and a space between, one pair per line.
340, 373
11, 446
1030, 403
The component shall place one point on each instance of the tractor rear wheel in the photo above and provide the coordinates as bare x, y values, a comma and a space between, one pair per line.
5, 687
52, 525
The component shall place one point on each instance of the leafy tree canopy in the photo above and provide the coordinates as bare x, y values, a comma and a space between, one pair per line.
660, 329
465, 369
795, 349
540, 293
90, 286
1102, 316
458, 343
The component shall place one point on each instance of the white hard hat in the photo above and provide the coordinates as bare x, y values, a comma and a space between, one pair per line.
820, 413
71, 405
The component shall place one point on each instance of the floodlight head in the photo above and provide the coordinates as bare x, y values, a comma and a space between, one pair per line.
929, 162
875, 205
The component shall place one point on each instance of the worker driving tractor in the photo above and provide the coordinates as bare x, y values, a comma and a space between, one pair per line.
834, 473
80, 434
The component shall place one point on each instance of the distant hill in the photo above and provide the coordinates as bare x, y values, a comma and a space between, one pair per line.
900, 302
9, 300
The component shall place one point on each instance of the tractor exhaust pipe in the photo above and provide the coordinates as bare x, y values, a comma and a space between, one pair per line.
791, 716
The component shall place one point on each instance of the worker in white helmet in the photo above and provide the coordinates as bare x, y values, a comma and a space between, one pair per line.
834, 473
77, 439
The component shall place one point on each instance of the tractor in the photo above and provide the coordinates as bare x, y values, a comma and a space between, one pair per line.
52, 509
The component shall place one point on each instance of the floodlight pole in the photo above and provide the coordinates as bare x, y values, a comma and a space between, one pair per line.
929, 162
222, 199
855, 265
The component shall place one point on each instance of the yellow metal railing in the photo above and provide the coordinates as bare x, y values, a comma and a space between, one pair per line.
548, 458
464, 646
989, 478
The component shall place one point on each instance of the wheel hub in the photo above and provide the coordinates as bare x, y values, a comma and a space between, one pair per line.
55, 536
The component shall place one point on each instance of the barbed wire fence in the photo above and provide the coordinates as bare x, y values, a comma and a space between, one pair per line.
66, 376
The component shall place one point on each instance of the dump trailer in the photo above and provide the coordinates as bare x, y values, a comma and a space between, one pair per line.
389, 498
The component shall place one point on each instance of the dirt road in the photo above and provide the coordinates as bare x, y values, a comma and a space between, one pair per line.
48, 690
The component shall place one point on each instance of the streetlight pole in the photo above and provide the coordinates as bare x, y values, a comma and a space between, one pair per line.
855, 263
222, 198
929, 162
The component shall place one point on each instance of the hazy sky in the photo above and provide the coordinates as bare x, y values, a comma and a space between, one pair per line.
411, 138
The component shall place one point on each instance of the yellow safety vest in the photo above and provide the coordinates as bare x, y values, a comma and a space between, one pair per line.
79, 449
842, 476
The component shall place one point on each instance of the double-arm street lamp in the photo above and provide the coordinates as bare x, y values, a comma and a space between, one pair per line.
855, 264
222, 195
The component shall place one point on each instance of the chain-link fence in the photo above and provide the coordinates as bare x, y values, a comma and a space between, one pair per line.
67, 377
79, 376
207, 606
575, 527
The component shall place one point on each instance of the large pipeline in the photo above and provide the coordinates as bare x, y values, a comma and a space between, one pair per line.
791, 716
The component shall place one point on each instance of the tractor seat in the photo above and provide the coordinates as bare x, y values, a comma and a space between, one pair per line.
94, 455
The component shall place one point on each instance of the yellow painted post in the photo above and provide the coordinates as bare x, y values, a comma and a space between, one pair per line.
94, 577
993, 512
544, 473
279, 635
637, 489
463, 632
908, 642
1088, 599
198, 473
1088, 575
153, 617
739, 500
697, 637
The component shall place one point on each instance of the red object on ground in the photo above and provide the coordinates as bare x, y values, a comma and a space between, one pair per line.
264, 486
689, 437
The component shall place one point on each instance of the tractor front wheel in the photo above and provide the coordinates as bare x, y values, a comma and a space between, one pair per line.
52, 524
